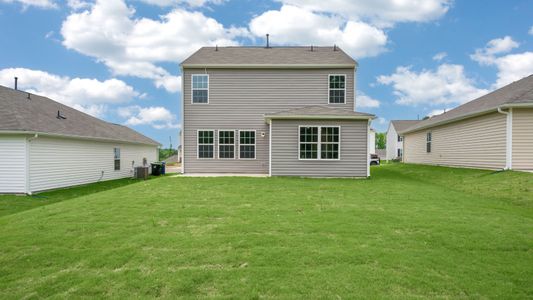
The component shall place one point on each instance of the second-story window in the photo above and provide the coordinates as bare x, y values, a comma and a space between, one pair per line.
337, 89
200, 88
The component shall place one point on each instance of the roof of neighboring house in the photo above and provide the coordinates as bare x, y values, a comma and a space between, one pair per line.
272, 57
39, 114
401, 125
516, 94
319, 112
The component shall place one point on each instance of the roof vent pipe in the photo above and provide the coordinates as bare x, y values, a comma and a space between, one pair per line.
216, 47
29, 98
16, 83
334, 47
311, 48
268, 42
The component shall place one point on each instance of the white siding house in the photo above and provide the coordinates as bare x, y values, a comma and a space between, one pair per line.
45, 145
395, 140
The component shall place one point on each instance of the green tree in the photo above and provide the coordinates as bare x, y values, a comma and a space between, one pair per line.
381, 140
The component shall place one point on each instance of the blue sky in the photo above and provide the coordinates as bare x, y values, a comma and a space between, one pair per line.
119, 60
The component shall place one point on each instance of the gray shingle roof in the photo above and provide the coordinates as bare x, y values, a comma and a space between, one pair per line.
39, 114
517, 93
401, 125
317, 112
274, 56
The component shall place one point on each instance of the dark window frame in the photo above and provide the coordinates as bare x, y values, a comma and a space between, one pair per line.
116, 158
203, 143
224, 142
337, 89
244, 147
429, 139
317, 143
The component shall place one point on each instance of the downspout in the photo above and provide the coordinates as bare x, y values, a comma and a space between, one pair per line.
28, 174
368, 149
509, 138
270, 149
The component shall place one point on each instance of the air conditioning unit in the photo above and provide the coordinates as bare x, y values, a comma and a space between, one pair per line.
140, 173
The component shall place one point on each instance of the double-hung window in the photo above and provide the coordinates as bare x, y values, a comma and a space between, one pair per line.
116, 152
206, 144
400, 138
428, 142
319, 142
337, 89
226, 144
247, 144
200, 88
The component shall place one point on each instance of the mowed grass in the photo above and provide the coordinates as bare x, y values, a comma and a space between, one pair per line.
408, 232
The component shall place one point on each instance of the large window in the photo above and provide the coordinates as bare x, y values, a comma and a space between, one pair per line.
117, 158
226, 144
200, 88
400, 138
428, 142
206, 143
247, 144
319, 142
337, 89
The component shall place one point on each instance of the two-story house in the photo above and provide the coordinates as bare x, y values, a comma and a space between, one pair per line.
286, 111
395, 139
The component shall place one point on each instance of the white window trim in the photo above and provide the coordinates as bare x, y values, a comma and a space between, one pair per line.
345, 84
119, 159
319, 143
254, 144
430, 142
214, 144
192, 88
234, 144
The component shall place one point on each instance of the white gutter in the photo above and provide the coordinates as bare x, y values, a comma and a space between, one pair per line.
72, 136
269, 66
308, 117
509, 138
182, 121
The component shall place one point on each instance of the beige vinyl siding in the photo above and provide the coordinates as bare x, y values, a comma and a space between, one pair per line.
477, 142
12, 164
353, 150
238, 100
523, 139
57, 162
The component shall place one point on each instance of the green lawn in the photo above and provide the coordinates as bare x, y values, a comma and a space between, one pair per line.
408, 232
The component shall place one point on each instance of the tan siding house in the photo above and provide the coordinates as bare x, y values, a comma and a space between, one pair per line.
492, 132
243, 108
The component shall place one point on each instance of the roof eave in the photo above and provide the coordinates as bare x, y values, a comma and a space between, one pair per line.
31, 132
268, 118
269, 66
471, 115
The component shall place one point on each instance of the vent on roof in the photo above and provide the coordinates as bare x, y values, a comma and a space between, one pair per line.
29, 98
16, 83
60, 116
334, 47
311, 48
216, 47
268, 40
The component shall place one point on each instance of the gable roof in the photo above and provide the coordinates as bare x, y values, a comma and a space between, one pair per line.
272, 57
39, 115
401, 125
318, 112
516, 94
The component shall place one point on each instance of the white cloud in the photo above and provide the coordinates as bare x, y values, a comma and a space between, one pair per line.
379, 12
132, 46
88, 95
440, 56
78, 4
496, 46
293, 25
191, 3
155, 116
364, 101
446, 85
530, 30
436, 112
510, 67
46, 4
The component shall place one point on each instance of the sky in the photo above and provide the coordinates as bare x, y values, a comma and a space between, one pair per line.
119, 60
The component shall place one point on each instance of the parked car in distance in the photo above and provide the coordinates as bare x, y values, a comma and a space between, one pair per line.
374, 160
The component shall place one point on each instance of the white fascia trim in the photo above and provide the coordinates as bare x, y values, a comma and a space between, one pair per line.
79, 137
269, 66
304, 117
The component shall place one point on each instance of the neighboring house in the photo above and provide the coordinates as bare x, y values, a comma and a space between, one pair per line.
274, 111
372, 141
494, 131
382, 153
46, 145
395, 140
